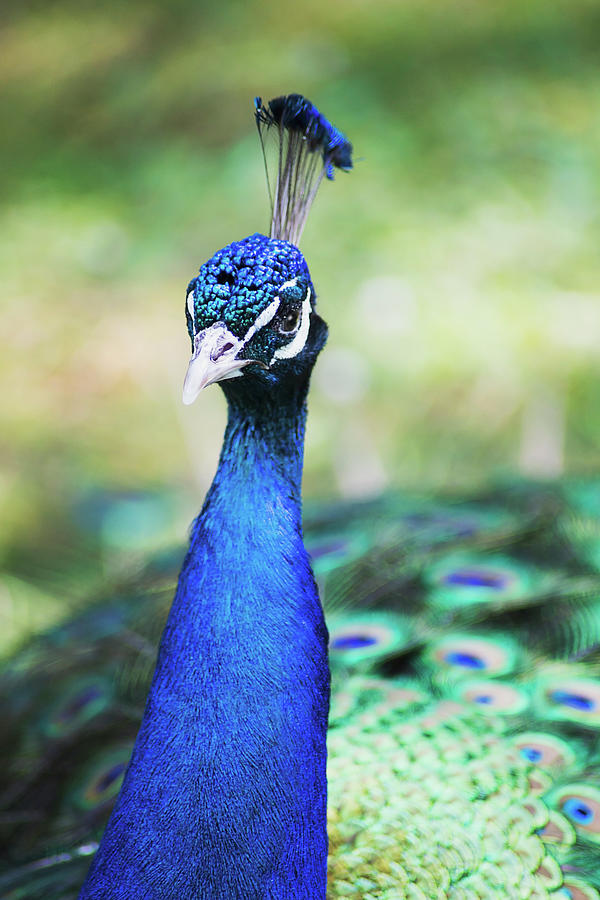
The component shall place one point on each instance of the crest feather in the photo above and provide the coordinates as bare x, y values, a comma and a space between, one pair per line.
310, 148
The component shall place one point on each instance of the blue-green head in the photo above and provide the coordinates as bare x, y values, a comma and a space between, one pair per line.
251, 314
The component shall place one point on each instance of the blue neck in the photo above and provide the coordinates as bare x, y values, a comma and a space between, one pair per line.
225, 795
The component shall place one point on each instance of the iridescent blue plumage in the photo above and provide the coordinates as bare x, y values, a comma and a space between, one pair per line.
238, 282
295, 113
225, 795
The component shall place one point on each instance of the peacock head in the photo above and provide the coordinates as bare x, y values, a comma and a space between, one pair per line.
251, 309
251, 312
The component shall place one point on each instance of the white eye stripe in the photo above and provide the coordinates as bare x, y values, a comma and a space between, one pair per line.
190, 308
288, 351
287, 284
269, 313
264, 319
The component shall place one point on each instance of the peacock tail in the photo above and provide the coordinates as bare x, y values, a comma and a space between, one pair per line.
463, 747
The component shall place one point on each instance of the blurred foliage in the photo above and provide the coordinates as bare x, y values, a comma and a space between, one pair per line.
457, 265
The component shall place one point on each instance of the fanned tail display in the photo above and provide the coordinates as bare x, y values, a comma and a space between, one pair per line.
464, 756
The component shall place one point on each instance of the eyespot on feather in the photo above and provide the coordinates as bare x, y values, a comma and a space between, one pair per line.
102, 779
80, 703
545, 750
580, 804
465, 653
360, 638
495, 697
571, 699
460, 580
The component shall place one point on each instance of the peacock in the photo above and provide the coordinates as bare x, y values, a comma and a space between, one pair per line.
397, 698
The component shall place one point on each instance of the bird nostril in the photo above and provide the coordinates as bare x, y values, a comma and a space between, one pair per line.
219, 351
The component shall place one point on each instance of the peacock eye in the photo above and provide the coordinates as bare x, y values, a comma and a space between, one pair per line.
290, 322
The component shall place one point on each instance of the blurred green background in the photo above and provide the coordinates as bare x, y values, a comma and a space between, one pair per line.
457, 265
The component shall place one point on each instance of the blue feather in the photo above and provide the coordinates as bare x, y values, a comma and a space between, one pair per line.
298, 114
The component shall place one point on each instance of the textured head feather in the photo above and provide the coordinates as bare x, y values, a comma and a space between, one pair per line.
310, 148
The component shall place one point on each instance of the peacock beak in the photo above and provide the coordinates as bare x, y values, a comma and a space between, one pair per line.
215, 358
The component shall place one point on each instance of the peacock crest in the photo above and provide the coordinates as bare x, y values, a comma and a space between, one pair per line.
308, 149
